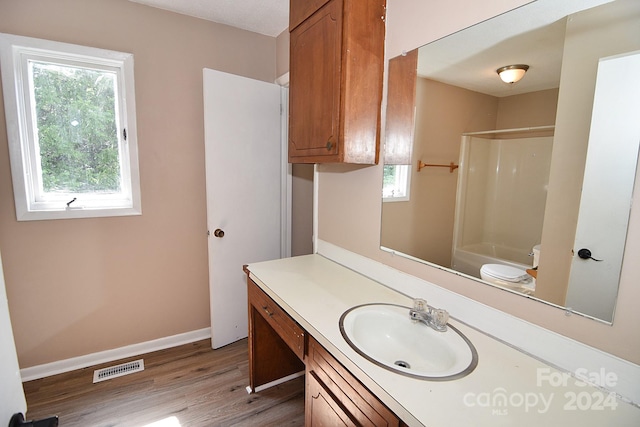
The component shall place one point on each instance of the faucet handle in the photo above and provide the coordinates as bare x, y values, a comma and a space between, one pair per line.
420, 304
440, 318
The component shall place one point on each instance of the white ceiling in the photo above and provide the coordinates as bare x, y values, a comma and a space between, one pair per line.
268, 17
533, 35
540, 46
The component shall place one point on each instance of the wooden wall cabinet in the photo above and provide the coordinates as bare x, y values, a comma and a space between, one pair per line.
335, 80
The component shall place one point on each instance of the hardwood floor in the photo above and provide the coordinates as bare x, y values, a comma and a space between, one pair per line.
199, 386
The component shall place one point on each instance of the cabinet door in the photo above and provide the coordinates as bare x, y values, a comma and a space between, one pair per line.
299, 10
322, 408
401, 107
314, 95
340, 394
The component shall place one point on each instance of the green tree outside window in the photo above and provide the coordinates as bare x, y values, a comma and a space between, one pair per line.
77, 129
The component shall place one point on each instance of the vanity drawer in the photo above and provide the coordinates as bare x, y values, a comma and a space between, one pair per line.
345, 391
281, 322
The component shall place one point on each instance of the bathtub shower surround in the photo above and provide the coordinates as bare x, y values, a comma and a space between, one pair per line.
501, 198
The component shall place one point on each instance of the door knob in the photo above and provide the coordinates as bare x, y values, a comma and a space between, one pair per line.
586, 254
218, 233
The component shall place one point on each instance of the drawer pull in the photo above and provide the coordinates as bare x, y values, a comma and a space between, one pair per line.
266, 310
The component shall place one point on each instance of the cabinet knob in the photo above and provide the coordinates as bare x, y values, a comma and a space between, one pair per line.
266, 310
329, 145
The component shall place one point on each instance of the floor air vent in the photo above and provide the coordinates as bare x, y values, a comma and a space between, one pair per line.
118, 371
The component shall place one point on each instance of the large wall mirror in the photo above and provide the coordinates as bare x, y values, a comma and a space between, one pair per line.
525, 185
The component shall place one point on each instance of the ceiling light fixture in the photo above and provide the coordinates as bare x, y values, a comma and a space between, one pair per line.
512, 73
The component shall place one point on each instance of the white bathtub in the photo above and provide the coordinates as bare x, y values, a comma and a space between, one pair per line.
470, 258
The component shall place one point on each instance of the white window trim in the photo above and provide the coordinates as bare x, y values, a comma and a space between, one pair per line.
13, 51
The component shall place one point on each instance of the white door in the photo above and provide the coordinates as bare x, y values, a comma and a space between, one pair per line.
607, 189
12, 400
243, 177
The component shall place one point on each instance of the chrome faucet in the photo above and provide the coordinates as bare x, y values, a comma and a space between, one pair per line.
433, 317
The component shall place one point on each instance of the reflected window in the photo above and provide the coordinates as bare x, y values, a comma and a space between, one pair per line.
396, 180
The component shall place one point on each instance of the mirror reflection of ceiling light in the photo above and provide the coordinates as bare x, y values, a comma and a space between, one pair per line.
512, 73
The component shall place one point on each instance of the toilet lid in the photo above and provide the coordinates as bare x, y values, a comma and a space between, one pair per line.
505, 272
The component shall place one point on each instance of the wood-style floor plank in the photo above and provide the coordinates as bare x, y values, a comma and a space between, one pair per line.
199, 386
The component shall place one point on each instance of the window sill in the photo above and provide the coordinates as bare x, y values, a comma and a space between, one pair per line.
76, 213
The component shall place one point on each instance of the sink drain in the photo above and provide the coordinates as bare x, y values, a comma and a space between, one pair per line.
402, 364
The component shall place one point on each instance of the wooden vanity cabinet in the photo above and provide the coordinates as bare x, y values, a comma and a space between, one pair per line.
334, 397
335, 80
276, 341
279, 347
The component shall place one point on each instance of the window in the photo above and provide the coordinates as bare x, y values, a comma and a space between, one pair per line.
395, 187
70, 114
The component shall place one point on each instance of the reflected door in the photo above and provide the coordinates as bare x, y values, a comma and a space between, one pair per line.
607, 188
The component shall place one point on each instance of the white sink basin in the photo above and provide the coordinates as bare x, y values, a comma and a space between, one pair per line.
386, 335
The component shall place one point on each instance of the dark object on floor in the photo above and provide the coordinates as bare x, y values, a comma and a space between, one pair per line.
18, 421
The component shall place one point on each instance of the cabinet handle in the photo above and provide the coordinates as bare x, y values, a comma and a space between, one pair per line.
329, 145
266, 310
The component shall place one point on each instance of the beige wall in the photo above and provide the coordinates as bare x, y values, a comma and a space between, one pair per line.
282, 53
527, 110
302, 209
423, 226
82, 286
349, 204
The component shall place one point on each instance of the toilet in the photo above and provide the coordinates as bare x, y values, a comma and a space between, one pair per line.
508, 277
536, 255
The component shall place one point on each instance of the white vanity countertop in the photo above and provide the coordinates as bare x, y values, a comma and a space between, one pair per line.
507, 387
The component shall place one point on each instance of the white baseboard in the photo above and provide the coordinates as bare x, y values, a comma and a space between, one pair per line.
61, 366
545, 345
